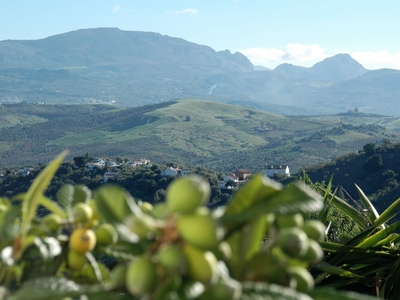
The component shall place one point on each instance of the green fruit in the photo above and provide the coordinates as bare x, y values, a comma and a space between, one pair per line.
282, 277
159, 211
202, 264
314, 229
199, 229
76, 260
185, 194
52, 222
82, 212
118, 275
141, 276
225, 289
143, 225
146, 207
106, 235
314, 253
304, 280
172, 258
290, 220
293, 242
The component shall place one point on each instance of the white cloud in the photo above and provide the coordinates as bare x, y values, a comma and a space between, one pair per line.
116, 9
292, 53
308, 55
191, 11
378, 59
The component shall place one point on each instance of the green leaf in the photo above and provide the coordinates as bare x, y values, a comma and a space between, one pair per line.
379, 236
9, 228
35, 191
51, 288
333, 270
267, 291
350, 211
65, 197
372, 213
251, 238
259, 187
388, 213
331, 294
114, 204
82, 194
52, 206
292, 199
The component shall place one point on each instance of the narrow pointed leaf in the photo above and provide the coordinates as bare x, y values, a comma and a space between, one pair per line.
372, 213
389, 213
350, 211
329, 293
36, 190
52, 206
379, 236
251, 238
330, 269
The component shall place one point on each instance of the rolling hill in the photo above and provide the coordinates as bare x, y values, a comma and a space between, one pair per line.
190, 132
131, 68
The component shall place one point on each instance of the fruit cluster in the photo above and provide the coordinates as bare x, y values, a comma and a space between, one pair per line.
184, 246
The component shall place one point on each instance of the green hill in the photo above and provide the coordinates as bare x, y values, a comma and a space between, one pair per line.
190, 132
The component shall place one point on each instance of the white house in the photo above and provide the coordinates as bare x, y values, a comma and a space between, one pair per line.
110, 175
137, 162
97, 162
271, 170
170, 171
232, 177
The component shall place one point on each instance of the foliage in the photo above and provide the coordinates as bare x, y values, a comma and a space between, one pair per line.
241, 251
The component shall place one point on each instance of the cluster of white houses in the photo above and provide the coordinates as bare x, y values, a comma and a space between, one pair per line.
237, 177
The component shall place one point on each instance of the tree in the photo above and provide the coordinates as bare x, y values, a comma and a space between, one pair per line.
230, 184
373, 163
369, 148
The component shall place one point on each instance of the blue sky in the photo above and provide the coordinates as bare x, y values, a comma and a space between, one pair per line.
268, 32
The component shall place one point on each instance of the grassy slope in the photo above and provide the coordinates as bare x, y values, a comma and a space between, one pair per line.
219, 136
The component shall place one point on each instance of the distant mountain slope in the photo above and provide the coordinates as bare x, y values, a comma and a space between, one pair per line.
131, 69
110, 47
336, 68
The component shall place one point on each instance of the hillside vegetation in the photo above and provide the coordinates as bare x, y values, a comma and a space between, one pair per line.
191, 132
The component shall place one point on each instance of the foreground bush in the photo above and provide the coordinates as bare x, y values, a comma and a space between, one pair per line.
107, 245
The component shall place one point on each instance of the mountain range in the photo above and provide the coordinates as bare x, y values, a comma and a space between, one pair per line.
130, 68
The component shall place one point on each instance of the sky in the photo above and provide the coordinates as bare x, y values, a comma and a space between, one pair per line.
268, 32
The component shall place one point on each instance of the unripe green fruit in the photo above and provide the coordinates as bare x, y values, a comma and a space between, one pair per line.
76, 260
160, 211
314, 229
314, 252
282, 277
304, 280
199, 229
146, 207
202, 264
172, 258
225, 289
185, 194
293, 242
141, 276
82, 212
118, 275
106, 235
52, 222
290, 220
143, 225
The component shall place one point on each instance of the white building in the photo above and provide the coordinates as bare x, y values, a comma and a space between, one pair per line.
170, 171
110, 175
272, 170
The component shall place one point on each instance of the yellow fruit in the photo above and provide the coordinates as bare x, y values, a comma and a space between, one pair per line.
141, 276
290, 220
82, 212
82, 240
185, 194
202, 264
304, 280
76, 260
143, 225
52, 222
314, 229
293, 242
172, 258
314, 253
106, 235
199, 229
